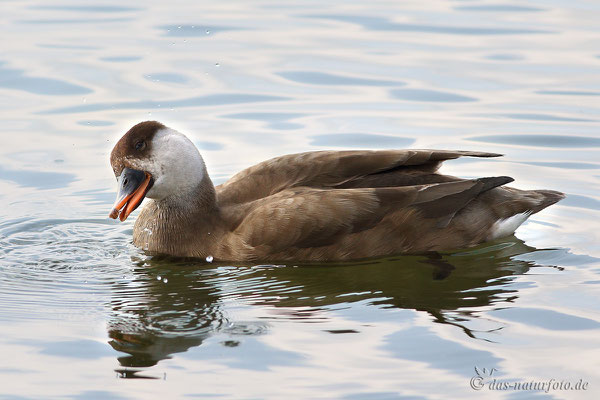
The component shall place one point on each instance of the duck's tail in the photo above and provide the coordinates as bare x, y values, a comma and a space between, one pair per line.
530, 201
519, 205
545, 198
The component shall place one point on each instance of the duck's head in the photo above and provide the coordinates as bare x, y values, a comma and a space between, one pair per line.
154, 161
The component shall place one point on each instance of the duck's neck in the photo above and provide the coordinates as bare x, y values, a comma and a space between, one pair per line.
181, 224
199, 202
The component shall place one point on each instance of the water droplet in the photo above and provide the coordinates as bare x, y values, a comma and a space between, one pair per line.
184, 40
179, 27
158, 278
165, 280
84, 99
209, 259
85, 282
149, 113
207, 32
217, 65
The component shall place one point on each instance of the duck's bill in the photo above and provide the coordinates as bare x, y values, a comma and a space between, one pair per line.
133, 186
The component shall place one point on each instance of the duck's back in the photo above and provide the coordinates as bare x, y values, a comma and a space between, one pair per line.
354, 204
339, 169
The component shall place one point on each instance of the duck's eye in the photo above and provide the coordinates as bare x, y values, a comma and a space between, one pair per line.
141, 145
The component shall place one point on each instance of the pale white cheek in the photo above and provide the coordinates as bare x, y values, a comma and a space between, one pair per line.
175, 164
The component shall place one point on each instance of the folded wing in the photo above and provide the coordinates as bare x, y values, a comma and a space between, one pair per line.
312, 217
340, 169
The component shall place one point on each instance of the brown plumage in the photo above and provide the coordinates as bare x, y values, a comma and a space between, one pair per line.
315, 206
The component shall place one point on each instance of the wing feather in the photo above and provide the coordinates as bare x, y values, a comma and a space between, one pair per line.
312, 217
328, 169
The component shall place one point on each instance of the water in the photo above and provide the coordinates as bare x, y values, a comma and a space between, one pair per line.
83, 312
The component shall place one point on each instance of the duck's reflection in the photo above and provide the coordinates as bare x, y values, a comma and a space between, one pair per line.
173, 305
161, 312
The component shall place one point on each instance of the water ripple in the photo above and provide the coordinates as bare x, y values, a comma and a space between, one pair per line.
60, 265
430, 95
199, 101
544, 117
91, 9
194, 30
510, 8
62, 21
18, 80
546, 319
558, 141
384, 24
360, 140
322, 78
120, 59
169, 77
37, 179
568, 92
274, 120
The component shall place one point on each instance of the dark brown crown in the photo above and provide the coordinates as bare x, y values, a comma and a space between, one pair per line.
136, 143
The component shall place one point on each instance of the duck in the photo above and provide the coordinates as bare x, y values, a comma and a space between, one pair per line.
314, 206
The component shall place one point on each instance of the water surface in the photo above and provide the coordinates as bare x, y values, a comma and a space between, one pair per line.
84, 314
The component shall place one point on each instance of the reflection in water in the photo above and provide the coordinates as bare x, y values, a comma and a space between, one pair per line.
416, 74
172, 305
155, 316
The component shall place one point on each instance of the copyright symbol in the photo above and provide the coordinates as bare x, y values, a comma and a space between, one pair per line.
477, 382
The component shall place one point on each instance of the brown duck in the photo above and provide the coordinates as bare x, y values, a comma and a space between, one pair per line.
314, 206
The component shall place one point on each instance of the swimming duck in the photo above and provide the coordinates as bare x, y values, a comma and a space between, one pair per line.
314, 206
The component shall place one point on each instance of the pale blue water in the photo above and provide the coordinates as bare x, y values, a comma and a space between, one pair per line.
83, 312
